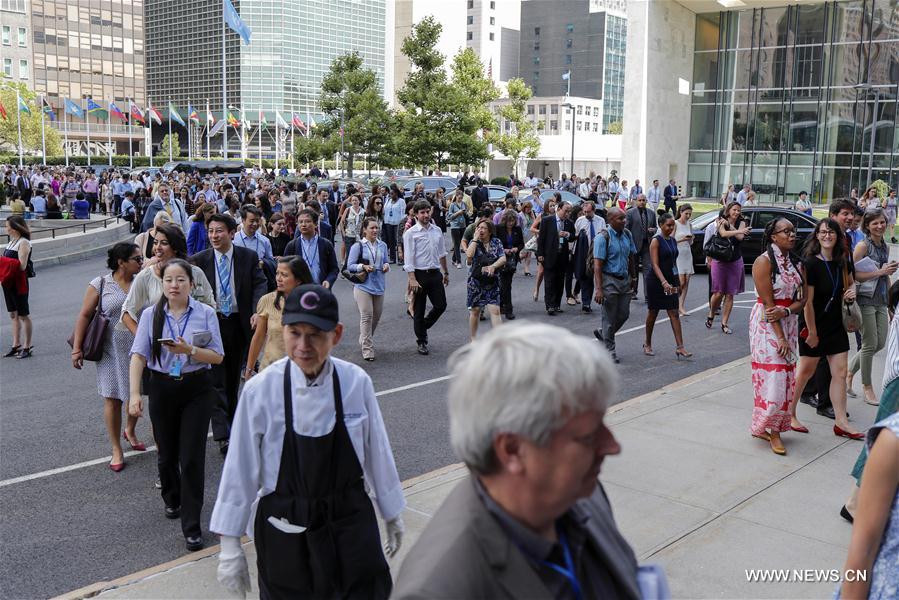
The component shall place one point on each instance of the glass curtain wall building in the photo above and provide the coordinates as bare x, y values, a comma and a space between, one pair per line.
613, 71
792, 98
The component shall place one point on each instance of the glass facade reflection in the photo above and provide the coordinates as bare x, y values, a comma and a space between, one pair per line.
795, 98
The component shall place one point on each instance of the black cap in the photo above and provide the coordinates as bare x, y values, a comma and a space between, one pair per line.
312, 304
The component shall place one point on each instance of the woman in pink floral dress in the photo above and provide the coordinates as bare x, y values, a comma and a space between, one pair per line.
774, 333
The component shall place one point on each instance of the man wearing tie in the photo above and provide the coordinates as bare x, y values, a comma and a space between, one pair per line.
553, 250
636, 190
589, 224
641, 222
314, 249
671, 197
24, 185
654, 196
239, 283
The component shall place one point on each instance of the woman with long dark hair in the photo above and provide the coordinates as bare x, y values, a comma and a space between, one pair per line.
774, 332
15, 290
727, 276
109, 291
661, 286
828, 283
178, 340
268, 338
512, 239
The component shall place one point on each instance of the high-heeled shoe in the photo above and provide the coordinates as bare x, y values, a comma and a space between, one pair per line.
843, 433
536, 296
648, 351
116, 467
139, 446
709, 321
681, 353
726, 329
12, 351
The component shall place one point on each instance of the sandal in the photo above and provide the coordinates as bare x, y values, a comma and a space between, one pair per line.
709, 321
648, 351
25, 352
12, 351
726, 329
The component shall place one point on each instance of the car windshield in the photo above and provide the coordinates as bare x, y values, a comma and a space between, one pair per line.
702, 221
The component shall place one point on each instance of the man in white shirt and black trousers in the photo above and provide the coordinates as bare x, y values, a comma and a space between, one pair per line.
307, 436
424, 252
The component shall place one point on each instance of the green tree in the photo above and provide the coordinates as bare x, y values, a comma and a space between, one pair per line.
308, 150
31, 123
173, 141
436, 125
521, 141
469, 78
355, 109
615, 128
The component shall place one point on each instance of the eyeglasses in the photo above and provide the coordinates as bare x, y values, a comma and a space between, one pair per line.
827, 233
138, 259
786, 230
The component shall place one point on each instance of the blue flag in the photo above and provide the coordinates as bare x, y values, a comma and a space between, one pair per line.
74, 109
235, 22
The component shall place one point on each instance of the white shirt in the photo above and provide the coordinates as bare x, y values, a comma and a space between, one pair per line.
257, 436
218, 280
583, 224
654, 196
741, 197
583, 190
423, 248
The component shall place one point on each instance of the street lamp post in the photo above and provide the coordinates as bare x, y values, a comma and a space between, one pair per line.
570, 106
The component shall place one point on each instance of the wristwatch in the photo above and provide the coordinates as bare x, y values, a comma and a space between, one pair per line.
787, 308
193, 350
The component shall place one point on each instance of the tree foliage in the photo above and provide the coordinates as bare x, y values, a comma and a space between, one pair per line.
615, 128
350, 98
31, 123
436, 125
170, 140
520, 141
468, 76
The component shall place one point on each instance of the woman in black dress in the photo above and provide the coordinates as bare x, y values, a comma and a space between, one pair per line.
829, 281
661, 286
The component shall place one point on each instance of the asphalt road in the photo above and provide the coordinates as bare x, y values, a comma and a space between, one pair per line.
79, 524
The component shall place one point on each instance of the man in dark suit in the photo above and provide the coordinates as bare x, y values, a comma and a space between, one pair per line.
238, 283
314, 249
642, 224
23, 183
328, 214
532, 519
553, 252
671, 194
479, 196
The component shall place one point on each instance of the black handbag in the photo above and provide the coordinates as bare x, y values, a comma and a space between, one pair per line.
95, 334
485, 280
720, 248
359, 277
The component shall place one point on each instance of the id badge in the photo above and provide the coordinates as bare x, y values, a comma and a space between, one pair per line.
225, 305
175, 369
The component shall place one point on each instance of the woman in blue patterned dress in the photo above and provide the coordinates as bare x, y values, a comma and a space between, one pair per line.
486, 257
109, 291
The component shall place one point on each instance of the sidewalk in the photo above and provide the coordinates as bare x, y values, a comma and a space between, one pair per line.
692, 490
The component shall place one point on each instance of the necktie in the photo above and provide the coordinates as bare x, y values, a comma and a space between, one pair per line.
224, 270
592, 230
168, 207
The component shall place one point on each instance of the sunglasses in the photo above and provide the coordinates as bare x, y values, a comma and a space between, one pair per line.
138, 259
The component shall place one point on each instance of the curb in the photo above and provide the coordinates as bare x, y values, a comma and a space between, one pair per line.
99, 587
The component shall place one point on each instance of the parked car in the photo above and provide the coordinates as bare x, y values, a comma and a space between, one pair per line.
407, 184
572, 199
758, 217
495, 193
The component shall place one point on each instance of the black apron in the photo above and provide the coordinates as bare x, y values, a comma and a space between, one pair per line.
320, 487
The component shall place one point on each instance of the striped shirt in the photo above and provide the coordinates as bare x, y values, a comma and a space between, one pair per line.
891, 366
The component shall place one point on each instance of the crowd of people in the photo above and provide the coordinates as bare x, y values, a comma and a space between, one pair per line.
224, 298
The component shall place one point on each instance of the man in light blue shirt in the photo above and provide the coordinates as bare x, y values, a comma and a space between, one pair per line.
248, 235
613, 254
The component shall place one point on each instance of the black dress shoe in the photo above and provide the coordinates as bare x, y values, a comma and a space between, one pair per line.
510, 316
827, 412
423, 349
844, 512
559, 309
193, 542
586, 309
598, 335
223, 447
551, 312
809, 399
172, 512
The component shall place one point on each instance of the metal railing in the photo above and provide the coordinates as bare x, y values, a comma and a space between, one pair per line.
39, 233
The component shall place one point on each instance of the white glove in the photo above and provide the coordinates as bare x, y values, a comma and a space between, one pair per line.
233, 573
395, 530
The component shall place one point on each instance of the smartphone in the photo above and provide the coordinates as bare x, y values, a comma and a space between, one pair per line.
166, 341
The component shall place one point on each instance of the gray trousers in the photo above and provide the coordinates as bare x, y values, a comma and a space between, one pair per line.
615, 309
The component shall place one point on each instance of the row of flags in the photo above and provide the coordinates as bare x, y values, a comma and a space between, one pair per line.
152, 113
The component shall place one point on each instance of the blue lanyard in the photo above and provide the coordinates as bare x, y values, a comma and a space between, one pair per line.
303, 250
568, 571
168, 322
244, 237
225, 278
833, 282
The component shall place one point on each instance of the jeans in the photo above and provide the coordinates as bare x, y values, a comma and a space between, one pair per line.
456, 233
875, 325
369, 314
390, 238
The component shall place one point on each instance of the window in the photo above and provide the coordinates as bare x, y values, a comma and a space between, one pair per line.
536, 60
530, 109
536, 46
595, 111
536, 31
23, 69
492, 20
468, 36
6, 35
491, 36
536, 75
470, 4
492, 4
553, 125
23, 37
579, 124
542, 109
569, 43
554, 109
569, 28
7, 67
595, 127
580, 109
567, 125
470, 20
567, 59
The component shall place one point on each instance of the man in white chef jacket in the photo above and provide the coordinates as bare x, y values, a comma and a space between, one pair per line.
299, 491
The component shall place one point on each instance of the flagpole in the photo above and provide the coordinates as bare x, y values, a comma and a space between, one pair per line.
87, 120
19, 124
150, 123
130, 134
259, 141
243, 133
190, 149
43, 136
277, 142
224, 90
208, 129
65, 129
170, 131
292, 141
109, 134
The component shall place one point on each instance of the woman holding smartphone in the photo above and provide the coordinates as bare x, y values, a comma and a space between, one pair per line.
774, 333
178, 340
683, 235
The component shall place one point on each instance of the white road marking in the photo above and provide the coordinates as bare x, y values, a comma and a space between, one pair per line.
643, 326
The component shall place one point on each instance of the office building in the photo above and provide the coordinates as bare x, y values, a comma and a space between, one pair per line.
292, 46
492, 31
15, 43
84, 49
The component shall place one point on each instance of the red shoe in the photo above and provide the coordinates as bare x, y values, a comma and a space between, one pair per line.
117, 467
852, 436
139, 446
800, 429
